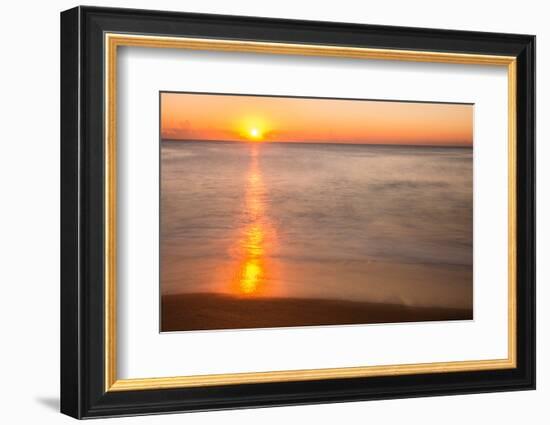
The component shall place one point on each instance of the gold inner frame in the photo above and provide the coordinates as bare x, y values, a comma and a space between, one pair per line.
113, 41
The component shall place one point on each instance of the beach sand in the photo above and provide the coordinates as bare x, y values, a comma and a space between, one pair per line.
202, 311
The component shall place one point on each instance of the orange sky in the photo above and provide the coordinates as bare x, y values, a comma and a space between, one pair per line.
187, 116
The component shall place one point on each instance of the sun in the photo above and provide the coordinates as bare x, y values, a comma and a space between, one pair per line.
254, 133
253, 129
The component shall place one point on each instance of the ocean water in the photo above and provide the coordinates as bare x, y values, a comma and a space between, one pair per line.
360, 222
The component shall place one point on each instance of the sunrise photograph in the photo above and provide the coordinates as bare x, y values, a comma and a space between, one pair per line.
279, 211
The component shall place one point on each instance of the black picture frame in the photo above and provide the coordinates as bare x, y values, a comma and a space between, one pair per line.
83, 392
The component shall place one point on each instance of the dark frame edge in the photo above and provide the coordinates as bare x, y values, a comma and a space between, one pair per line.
71, 350
526, 209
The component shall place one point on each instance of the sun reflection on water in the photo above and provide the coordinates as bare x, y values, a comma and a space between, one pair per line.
258, 235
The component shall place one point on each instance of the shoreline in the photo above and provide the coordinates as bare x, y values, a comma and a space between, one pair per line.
213, 311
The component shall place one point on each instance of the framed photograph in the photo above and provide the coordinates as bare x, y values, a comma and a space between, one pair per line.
261, 212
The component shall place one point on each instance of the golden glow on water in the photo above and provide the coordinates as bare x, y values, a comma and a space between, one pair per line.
251, 276
258, 236
252, 271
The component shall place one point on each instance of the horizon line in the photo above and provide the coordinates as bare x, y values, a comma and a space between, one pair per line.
458, 145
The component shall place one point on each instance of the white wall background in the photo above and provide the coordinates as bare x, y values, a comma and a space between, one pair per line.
29, 209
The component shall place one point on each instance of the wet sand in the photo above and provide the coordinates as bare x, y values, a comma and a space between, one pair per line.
207, 311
